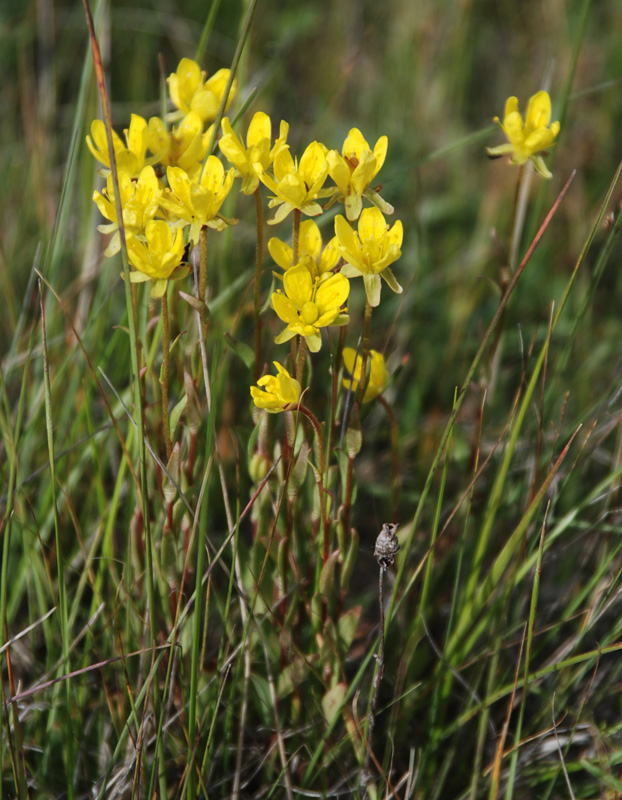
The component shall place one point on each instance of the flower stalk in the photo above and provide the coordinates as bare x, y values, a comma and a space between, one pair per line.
258, 269
164, 378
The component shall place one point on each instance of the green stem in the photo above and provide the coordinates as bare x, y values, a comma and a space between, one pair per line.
395, 458
517, 221
320, 478
258, 263
203, 263
365, 354
60, 568
166, 353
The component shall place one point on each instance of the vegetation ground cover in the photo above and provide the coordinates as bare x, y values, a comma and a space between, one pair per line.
190, 606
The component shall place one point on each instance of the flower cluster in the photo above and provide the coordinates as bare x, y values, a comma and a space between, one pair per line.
316, 279
171, 189
168, 189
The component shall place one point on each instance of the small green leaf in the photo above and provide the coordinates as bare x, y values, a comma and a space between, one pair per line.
332, 702
299, 472
350, 560
327, 576
193, 407
241, 349
176, 413
198, 305
347, 625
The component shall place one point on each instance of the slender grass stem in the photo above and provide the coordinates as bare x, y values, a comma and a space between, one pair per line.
60, 564
365, 354
258, 268
166, 358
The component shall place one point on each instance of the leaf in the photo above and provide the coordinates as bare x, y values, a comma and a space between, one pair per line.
198, 305
241, 349
350, 560
327, 576
333, 701
347, 625
299, 472
176, 413
193, 407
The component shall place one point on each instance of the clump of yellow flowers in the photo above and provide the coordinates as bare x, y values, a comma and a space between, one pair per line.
172, 191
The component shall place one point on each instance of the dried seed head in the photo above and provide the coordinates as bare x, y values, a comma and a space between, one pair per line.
387, 545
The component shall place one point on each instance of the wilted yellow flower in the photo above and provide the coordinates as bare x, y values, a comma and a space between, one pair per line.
198, 203
297, 185
278, 393
377, 375
159, 259
310, 252
370, 251
527, 139
191, 92
130, 157
184, 146
139, 200
355, 169
310, 304
257, 151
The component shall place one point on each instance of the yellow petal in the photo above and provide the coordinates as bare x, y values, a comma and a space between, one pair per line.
259, 128
298, 285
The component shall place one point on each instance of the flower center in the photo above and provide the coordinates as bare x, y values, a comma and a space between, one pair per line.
309, 313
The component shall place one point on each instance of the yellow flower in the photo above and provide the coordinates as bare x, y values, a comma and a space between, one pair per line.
257, 150
131, 156
355, 169
191, 92
528, 138
276, 394
139, 201
159, 259
310, 304
377, 375
310, 252
297, 185
185, 146
198, 203
370, 251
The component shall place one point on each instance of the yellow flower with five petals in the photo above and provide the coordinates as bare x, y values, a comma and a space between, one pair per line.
184, 146
529, 138
159, 258
297, 184
130, 157
257, 151
370, 251
276, 393
190, 91
310, 252
139, 201
198, 203
378, 376
354, 169
309, 304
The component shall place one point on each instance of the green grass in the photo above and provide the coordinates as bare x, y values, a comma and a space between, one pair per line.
168, 630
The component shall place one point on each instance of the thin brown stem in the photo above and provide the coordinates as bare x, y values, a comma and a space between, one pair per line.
258, 265
320, 478
166, 353
296, 236
371, 717
300, 359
